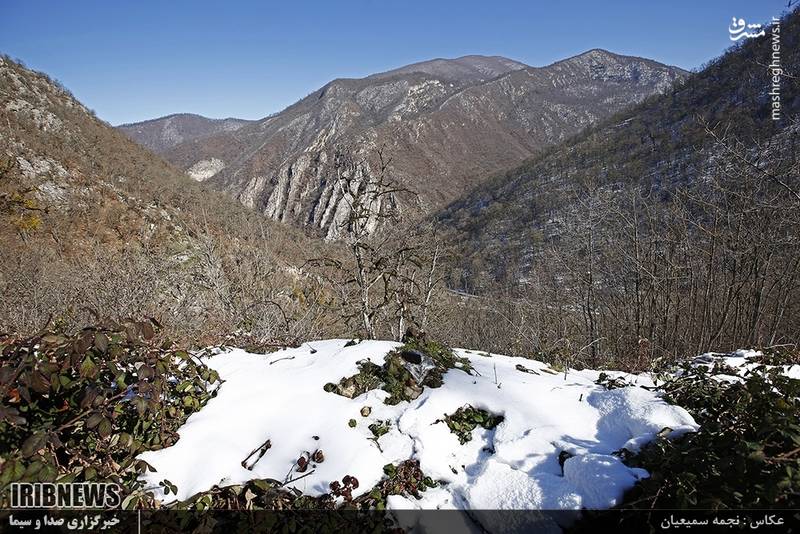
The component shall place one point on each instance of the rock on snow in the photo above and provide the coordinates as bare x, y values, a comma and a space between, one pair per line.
280, 397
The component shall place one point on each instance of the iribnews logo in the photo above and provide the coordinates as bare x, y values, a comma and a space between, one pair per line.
65, 496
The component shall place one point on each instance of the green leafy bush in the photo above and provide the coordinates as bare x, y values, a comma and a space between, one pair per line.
380, 428
746, 454
405, 478
788, 355
394, 378
466, 419
611, 382
81, 407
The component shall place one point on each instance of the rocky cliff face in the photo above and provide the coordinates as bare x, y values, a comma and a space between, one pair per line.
446, 124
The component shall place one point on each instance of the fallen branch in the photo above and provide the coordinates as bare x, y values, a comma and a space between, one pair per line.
261, 450
296, 479
281, 359
524, 369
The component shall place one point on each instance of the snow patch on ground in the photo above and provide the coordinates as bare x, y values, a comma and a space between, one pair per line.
280, 397
742, 361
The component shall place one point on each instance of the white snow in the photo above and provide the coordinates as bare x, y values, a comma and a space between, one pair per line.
280, 397
742, 361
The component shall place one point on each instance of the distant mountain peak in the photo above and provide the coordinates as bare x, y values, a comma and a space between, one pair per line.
603, 56
600, 53
184, 115
470, 68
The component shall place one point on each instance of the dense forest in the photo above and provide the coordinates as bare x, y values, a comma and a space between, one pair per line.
667, 230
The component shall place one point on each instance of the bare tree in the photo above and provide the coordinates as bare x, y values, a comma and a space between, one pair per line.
390, 270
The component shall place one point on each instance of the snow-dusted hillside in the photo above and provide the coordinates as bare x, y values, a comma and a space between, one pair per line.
280, 397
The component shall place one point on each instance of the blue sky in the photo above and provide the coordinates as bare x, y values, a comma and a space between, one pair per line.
134, 60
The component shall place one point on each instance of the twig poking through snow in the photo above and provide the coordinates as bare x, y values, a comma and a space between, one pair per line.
524, 369
261, 450
298, 478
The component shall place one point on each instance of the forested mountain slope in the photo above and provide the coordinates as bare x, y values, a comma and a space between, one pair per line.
94, 226
661, 225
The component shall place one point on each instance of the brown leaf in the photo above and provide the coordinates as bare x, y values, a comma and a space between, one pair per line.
302, 464
101, 342
31, 445
39, 382
83, 343
104, 428
94, 420
146, 329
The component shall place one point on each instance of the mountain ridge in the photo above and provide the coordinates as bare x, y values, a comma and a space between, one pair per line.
444, 131
162, 133
473, 66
